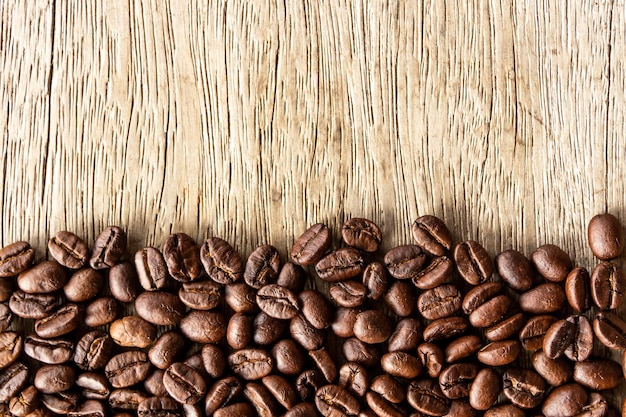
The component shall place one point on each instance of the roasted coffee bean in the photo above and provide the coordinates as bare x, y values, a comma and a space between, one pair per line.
544, 298
93, 351
479, 295
203, 326
127, 398
201, 295
432, 235
153, 384
375, 280
311, 245
196, 362
343, 324
167, 348
610, 330
558, 338
124, 282
354, 377
372, 326
5, 317
566, 400
262, 266
388, 388
515, 270
597, 406
401, 365
50, 351
241, 298
308, 382
159, 307
473, 262
577, 289
405, 262
7, 286
485, 389
127, 368
439, 302
406, 336
305, 334
556, 372
108, 248
25, 403
15, 258
266, 329
505, 410
382, 407
277, 302
362, 234
506, 328
491, 312
12, 379
101, 311
455, 380
50, 379
302, 410
236, 409
214, 360
325, 363
281, 389
62, 321
184, 384
315, 308
608, 285
159, 407
133, 331
69, 250
334, 400
93, 386
432, 358
582, 343
32, 306
426, 397
250, 364
62, 402
292, 276
356, 351
400, 298
90, 408
221, 393
606, 236
83, 285
182, 257
445, 328
239, 331
598, 374
151, 269
10, 348
435, 273
221, 261
43, 278
551, 262
534, 330
499, 353
523, 387
261, 399
462, 347
340, 265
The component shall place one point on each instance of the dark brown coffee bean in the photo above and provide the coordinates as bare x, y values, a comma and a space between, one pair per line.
308, 382
382, 407
598, 374
523, 387
50, 379
556, 372
388, 388
151, 269
608, 285
292, 276
311, 245
68, 249
445, 328
405, 262
61, 403
426, 397
544, 298
597, 406
606, 236
214, 360
167, 348
236, 409
558, 338
439, 302
203, 326
221, 393
491, 312
432, 358
334, 400
551, 262
93, 386
10, 348
406, 336
62, 321
239, 331
401, 365
400, 298
241, 298
432, 235
566, 400
577, 289
277, 302
375, 280
124, 283
515, 270
201, 295
133, 331
83, 285
43, 278
6, 317
354, 378
534, 330
32, 306
127, 368
127, 398
302, 410
372, 326
505, 410
159, 407
499, 353
340, 265
462, 347
266, 329
362, 234
108, 248
305, 334
153, 384
610, 330
281, 389
184, 384
325, 363
315, 308
50, 351
261, 399
262, 266
485, 389
25, 402
455, 380
250, 364
15, 258
582, 344
435, 273
159, 307
7, 286
182, 257
221, 261
479, 295
356, 351
93, 351
473, 262
343, 324
101, 311
506, 328
12, 380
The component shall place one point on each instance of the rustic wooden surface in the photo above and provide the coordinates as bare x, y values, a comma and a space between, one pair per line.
252, 120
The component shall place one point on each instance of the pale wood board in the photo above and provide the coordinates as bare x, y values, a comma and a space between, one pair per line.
251, 120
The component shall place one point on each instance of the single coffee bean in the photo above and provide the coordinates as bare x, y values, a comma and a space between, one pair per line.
400, 298
201, 295
83, 285
6, 317
311, 245
262, 266
406, 336
292, 276
214, 360
15, 258
124, 282
184, 384
388, 388
598, 374
445, 328
534, 330
101, 311
435, 273
182, 257
239, 331
62, 321
93, 351
153, 384
308, 382
12, 380
354, 377
281, 390
305, 334
582, 342
10, 348
544, 298
334, 400
375, 280
250, 364
50, 379
556, 372
315, 308
606, 236
610, 330
221, 393
473, 262
221, 261
485, 389
479, 295
60, 403
343, 324
577, 291
432, 234
499, 353
127, 368
151, 269
203, 326
241, 298
491, 312
236, 409
558, 338
515, 270
439, 302
166, 349
325, 363
108, 248
405, 262
25, 403
462, 347
401, 365
277, 302
566, 400
93, 386
127, 398
133, 331
505, 410
160, 308
380, 406
302, 410
261, 399
525, 388
372, 326
506, 328
340, 265
426, 397
432, 358
356, 351
50, 351
362, 234
266, 329
455, 380
159, 407
551, 262
69, 250
596, 406
608, 285
43, 278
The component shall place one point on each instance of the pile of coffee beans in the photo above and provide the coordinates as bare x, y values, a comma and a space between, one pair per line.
425, 329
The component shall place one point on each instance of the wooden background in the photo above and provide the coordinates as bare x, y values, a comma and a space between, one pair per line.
251, 120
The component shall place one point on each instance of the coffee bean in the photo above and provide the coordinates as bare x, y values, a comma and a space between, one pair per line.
473, 262
62, 402
343, 324
108, 248
445, 328
380, 406
485, 389
334, 400
214, 360
182, 257
506, 328
505, 410
311, 245
479, 295
201, 295
159, 307
151, 269
401, 365
462, 347
362, 234
400, 298
10, 348
544, 298
432, 235
241, 298
261, 399
491, 312
6, 289
356, 351
558, 337
127, 398
302, 410
525, 388
435, 273
221, 393
432, 359
582, 342
250, 364
372, 326
606, 236
340, 265
6, 317
24, 403
315, 308
515, 270
596, 406
610, 330
159, 407
324, 362
239, 331
221, 261
281, 390
166, 349
292, 276
184, 384
405, 262
101, 311
12, 379
305, 334
499, 353
406, 336
83, 285
375, 280
93, 351
439, 302
203, 326
68, 249
262, 267
124, 283
608, 285
551, 262
62, 321
127, 368
236, 409
93, 386
426, 397
566, 400
388, 388
455, 380
266, 329
277, 302
15, 258
462, 408
50, 379
50, 351
43, 278
133, 331
354, 377
598, 374
577, 289
534, 330
556, 372
308, 382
